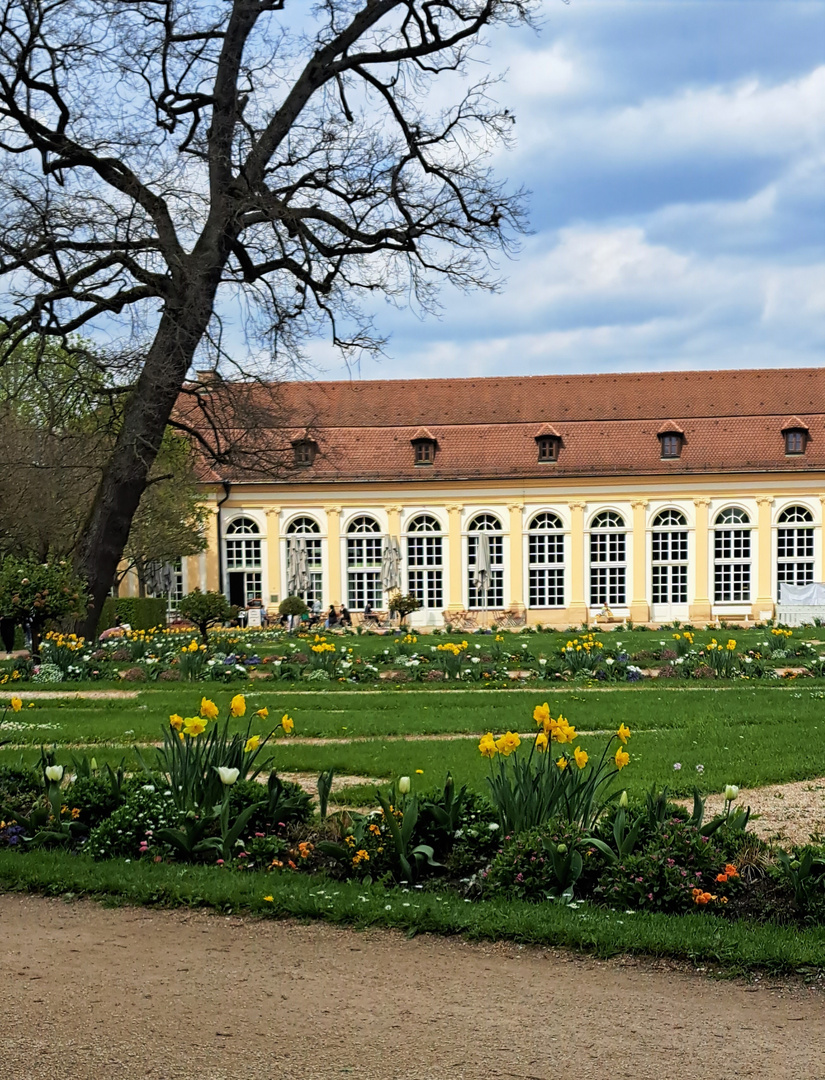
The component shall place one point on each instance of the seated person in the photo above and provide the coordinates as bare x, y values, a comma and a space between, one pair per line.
332, 617
345, 617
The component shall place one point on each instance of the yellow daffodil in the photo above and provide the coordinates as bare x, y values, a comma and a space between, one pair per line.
194, 725
209, 709
487, 746
507, 743
16, 704
287, 723
263, 713
252, 743
622, 758
563, 732
580, 756
237, 706
562, 762
542, 742
541, 714
176, 721
623, 733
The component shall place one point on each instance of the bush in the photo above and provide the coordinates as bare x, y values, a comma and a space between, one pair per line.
661, 877
137, 819
288, 804
140, 612
541, 864
292, 605
205, 609
404, 604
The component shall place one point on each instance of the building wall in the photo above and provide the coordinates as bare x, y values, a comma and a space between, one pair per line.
576, 503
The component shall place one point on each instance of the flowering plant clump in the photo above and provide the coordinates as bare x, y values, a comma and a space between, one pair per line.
722, 658
530, 790
193, 754
582, 654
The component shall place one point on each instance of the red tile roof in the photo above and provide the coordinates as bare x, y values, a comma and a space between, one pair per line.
732, 421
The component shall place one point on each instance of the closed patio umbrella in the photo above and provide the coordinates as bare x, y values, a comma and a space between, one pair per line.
482, 575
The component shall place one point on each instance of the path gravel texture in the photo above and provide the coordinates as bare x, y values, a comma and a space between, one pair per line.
91, 993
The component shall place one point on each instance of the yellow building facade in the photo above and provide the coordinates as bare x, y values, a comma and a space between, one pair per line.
692, 496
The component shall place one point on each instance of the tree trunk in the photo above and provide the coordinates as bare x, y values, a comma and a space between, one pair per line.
124, 477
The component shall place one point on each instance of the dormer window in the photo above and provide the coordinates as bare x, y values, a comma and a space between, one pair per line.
424, 446
548, 448
671, 446
424, 452
795, 442
304, 450
548, 442
671, 439
796, 436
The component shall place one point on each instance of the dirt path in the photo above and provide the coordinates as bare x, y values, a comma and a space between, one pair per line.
97, 994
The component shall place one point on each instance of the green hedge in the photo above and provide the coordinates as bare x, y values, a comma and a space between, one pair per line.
140, 612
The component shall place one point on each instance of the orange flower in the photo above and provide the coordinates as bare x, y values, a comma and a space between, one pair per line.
731, 870
721, 878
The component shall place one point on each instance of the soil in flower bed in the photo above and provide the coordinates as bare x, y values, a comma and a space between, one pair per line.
369, 1005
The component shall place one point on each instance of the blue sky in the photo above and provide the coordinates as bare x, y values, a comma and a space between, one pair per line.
675, 152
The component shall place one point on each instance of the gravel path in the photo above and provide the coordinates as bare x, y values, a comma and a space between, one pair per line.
96, 994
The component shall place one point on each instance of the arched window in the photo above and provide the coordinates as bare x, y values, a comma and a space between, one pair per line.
794, 548
364, 551
487, 591
308, 531
242, 545
669, 551
425, 566
732, 556
608, 560
545, 561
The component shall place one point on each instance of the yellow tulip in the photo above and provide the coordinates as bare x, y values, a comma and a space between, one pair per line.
237, 706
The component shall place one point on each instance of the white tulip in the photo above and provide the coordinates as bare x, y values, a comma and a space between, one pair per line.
404, 785
54, 773
731, 792
623, 799
228, 776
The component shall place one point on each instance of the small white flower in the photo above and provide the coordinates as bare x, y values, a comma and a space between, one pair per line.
494, 826
731, 792
228, 776
404, 785
610, 661
677, 765
54, 773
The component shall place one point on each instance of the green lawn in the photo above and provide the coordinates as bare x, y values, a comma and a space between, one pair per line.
698, 938
744, 734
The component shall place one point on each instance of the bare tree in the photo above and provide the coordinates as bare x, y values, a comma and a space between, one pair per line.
164, 160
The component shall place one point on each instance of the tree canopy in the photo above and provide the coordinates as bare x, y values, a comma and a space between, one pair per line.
165, 160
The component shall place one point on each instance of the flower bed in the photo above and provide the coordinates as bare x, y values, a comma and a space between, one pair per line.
555, 827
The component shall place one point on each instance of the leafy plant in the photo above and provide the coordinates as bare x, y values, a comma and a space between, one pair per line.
404, 604
204, 610
410, 859
324, 788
